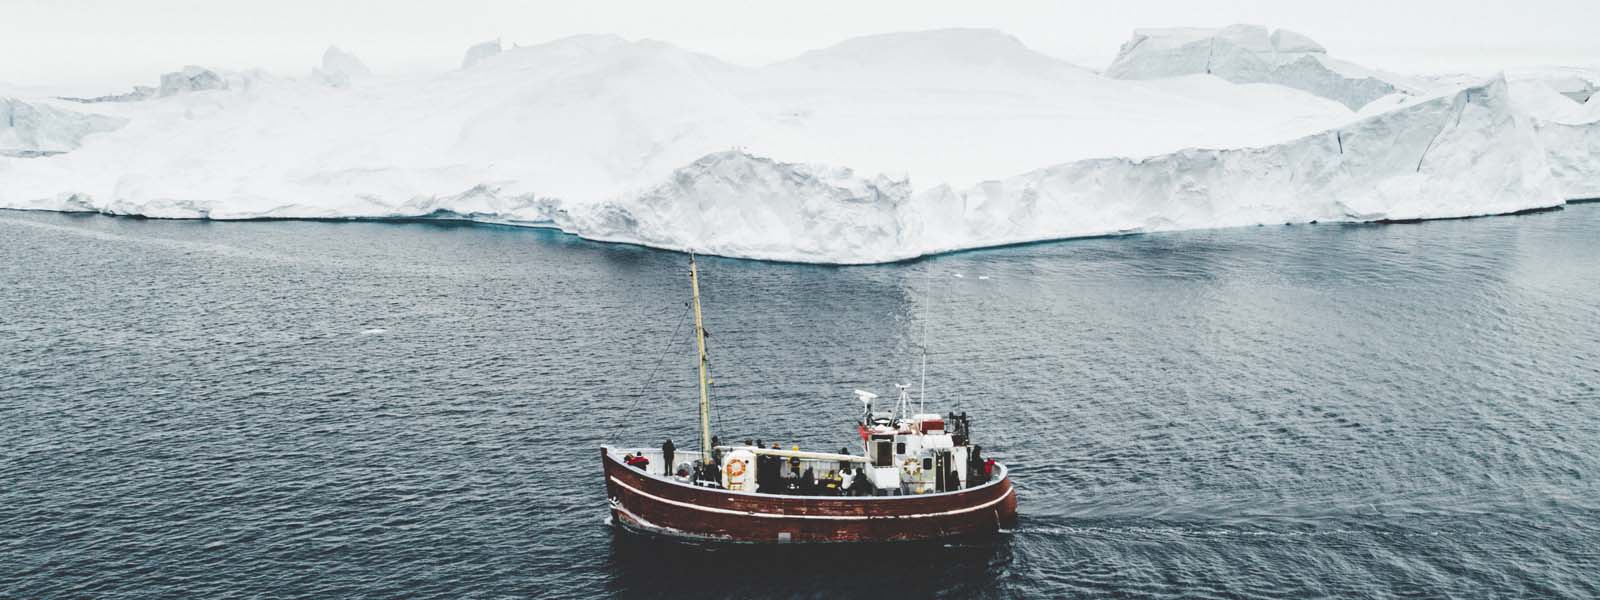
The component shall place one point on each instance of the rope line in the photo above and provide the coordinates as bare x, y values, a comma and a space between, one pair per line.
660, 357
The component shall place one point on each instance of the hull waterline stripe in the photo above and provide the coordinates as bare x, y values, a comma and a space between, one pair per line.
644, 525
727, 511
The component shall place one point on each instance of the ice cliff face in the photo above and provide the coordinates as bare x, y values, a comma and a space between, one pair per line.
1249, 54
1574, 152
736, 204
1568, 129
40, 129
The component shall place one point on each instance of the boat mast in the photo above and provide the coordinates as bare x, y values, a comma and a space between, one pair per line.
700, 339
927, 295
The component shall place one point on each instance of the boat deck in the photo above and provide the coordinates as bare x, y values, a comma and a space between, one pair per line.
822, 468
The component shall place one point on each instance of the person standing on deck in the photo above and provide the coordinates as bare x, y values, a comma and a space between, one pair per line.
666, 455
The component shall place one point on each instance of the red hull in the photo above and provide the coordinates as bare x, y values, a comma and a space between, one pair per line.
651, 504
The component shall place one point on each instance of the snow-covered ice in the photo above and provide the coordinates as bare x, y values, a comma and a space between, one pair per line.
876, 149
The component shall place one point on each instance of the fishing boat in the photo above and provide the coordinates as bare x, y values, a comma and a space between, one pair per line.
918, 476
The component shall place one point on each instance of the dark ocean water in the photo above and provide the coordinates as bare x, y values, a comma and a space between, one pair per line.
316, 409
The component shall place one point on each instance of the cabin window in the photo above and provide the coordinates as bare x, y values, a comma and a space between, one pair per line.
900, 448
882, 456
927, 464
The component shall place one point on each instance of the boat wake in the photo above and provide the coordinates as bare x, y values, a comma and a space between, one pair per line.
1221, 533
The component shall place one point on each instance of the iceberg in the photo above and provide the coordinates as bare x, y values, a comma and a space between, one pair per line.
340, 68
39, 129
876, 149
191, 79
479, 52
1250, 54
1459, 155
194, 78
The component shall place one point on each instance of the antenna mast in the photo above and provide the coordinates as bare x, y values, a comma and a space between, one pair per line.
700, 339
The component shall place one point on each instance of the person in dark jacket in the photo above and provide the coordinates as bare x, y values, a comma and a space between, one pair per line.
666, 454
863, 485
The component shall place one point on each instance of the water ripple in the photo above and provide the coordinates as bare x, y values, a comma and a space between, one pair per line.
286, 409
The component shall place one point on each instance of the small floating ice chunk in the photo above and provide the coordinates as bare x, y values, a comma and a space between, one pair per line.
374, 331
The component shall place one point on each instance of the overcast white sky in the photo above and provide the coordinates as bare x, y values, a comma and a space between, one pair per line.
114, 44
